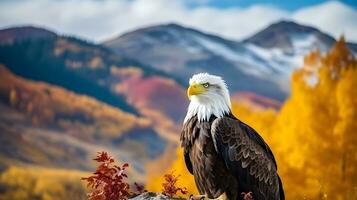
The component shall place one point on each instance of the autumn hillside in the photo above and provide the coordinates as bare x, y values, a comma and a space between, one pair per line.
94, 71
50, 105
50, 126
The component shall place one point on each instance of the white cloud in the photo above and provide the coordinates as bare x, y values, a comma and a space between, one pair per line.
100, 20
331, 17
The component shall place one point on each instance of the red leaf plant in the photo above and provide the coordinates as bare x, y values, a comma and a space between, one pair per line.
108, 181
170, 188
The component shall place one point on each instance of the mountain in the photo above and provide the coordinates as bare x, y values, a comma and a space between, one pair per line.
283, 34
84, 92
181, 51
79, 66
260, 64
18, 34
50, 126
287, 35
67, 62
285, 44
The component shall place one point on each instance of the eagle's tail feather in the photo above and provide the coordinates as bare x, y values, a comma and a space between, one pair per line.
281, 190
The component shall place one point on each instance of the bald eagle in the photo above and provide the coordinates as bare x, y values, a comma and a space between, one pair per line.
226, 156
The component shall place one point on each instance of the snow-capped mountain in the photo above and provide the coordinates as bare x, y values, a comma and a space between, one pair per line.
181, 51
284, 44
260, 64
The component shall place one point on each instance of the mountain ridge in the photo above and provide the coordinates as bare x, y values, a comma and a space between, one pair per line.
179, 50
258, 64
20, 33
169, 25
278, 33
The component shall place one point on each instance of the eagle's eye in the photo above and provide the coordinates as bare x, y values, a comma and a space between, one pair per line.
205, 85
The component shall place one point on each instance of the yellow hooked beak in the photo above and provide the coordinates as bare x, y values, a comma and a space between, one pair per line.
195, 89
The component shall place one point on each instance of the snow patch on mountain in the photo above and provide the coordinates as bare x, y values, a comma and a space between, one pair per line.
241, 57
304, 43
286, 60
271, 57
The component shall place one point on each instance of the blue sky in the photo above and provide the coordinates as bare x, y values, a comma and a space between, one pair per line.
286, 5
100, 20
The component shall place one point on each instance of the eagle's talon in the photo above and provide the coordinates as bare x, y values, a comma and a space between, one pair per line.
204, 197
197, 197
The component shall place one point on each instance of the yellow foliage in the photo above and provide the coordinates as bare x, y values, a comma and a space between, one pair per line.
13, 97
42, 183
315, 131
179, 168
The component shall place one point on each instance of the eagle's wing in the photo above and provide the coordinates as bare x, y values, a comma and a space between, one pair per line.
188, 134
248, 158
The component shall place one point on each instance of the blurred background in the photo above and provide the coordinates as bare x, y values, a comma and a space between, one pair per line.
78, 77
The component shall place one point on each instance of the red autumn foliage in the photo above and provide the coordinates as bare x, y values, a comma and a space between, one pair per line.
108, 182
170, 188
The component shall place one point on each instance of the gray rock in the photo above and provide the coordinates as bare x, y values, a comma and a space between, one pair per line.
154, 196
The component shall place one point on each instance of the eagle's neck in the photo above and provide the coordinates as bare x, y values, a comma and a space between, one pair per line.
205, 108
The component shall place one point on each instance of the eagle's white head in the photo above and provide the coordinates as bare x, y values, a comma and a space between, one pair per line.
209, 96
